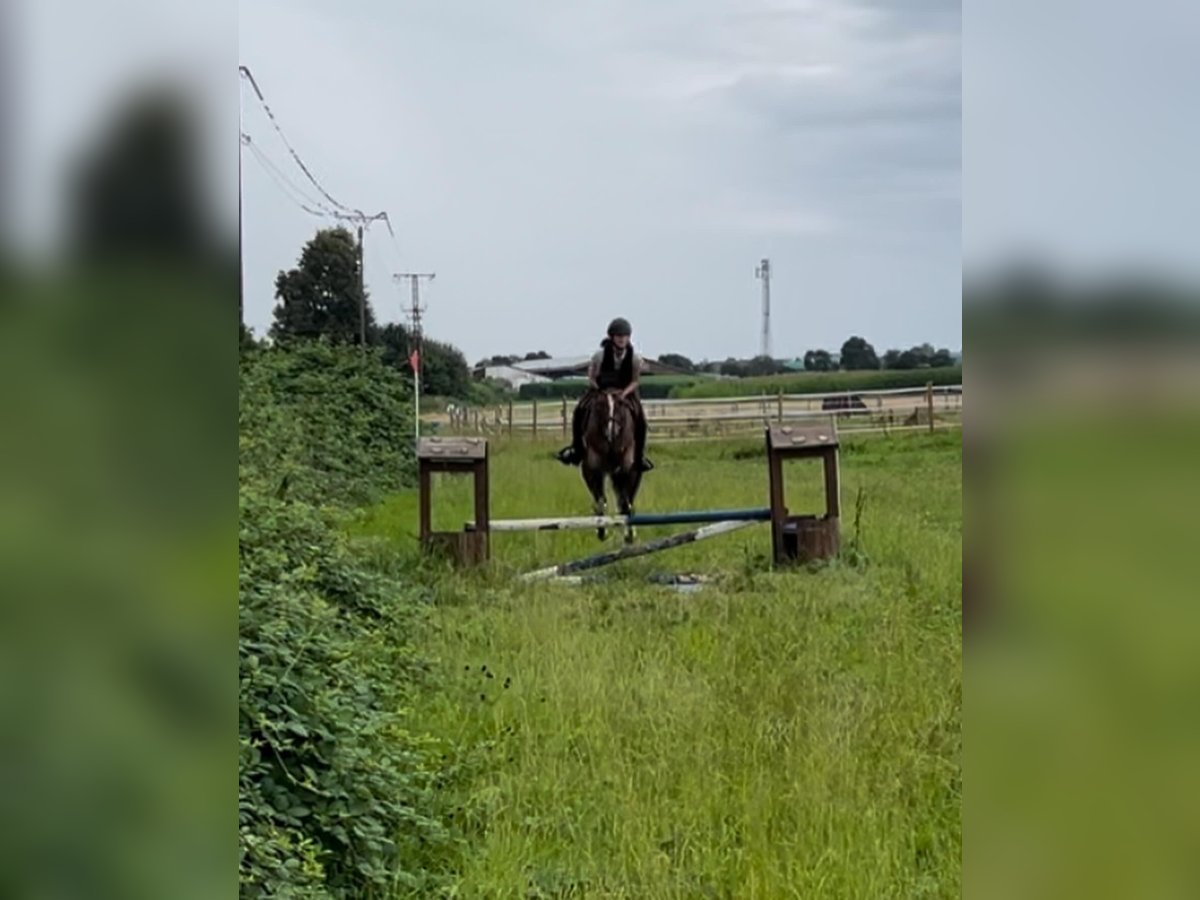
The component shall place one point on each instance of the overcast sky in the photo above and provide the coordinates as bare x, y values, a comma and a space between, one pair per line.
560, 164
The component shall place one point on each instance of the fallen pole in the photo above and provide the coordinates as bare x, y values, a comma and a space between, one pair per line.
634, 550
586, 523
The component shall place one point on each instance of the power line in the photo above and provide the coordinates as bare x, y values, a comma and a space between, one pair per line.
245, 72
285, 184
335, 209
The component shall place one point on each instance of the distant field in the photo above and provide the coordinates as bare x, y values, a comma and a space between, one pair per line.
791, 734
822, 382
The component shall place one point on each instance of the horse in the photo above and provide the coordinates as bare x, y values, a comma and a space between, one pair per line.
610, 450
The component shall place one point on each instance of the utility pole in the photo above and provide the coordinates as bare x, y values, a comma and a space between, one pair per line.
763, 272
243, 141
362, 295
414, 315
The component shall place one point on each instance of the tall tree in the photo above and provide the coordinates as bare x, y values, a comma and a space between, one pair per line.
858, 354
321, 296
444, 369
818, 361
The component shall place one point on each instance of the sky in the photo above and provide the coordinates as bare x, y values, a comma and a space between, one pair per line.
561, 164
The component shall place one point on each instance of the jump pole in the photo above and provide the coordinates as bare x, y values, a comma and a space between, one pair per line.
629, 552
586, 523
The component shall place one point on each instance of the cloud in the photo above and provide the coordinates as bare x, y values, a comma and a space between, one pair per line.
553, 162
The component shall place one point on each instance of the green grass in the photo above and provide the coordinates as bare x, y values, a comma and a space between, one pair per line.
777, 734
821, 382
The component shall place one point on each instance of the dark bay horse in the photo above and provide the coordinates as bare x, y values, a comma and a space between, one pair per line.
609, 450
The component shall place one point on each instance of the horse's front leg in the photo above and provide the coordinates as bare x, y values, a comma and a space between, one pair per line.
595, 483
623, 482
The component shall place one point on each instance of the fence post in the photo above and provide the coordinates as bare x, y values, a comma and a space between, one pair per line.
564, 416
510, 417
535, 418
929, 403
779, 403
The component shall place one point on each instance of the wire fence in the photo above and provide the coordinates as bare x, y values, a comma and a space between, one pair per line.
879, 411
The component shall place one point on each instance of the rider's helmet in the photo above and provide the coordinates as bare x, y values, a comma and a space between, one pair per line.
619, 326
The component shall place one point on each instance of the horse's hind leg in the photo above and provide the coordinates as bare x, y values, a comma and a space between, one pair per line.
625, 484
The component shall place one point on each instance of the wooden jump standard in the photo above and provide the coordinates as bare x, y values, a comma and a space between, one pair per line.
794, 538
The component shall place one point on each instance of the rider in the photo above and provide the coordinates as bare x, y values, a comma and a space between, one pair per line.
615, 366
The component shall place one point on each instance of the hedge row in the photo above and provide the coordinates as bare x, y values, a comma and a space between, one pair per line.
336, 797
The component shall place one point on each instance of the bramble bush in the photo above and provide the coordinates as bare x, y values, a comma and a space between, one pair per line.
337, 798
332, 419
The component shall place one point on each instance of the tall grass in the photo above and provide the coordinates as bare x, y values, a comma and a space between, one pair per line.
776, 734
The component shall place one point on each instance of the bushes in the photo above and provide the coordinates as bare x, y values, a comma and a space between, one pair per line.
336, 797
349, 422
822, 382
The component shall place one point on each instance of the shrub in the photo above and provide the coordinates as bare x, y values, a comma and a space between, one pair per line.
350, 435
336, 796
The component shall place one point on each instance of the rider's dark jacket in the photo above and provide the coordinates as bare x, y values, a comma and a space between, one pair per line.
614, 376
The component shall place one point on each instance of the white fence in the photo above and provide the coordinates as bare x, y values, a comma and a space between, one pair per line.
898, 409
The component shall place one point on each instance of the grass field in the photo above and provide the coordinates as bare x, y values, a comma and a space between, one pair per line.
821, 382
772, 735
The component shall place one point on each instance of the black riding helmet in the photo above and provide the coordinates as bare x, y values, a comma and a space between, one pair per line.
619, 326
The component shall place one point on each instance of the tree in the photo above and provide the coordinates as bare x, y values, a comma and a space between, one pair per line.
677, 361
321, 296
764, 365
541, 354
858, 354
246, 341
732, 367
397, 345
141, 190
444, 369
818, 361
497, 361
922, 356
